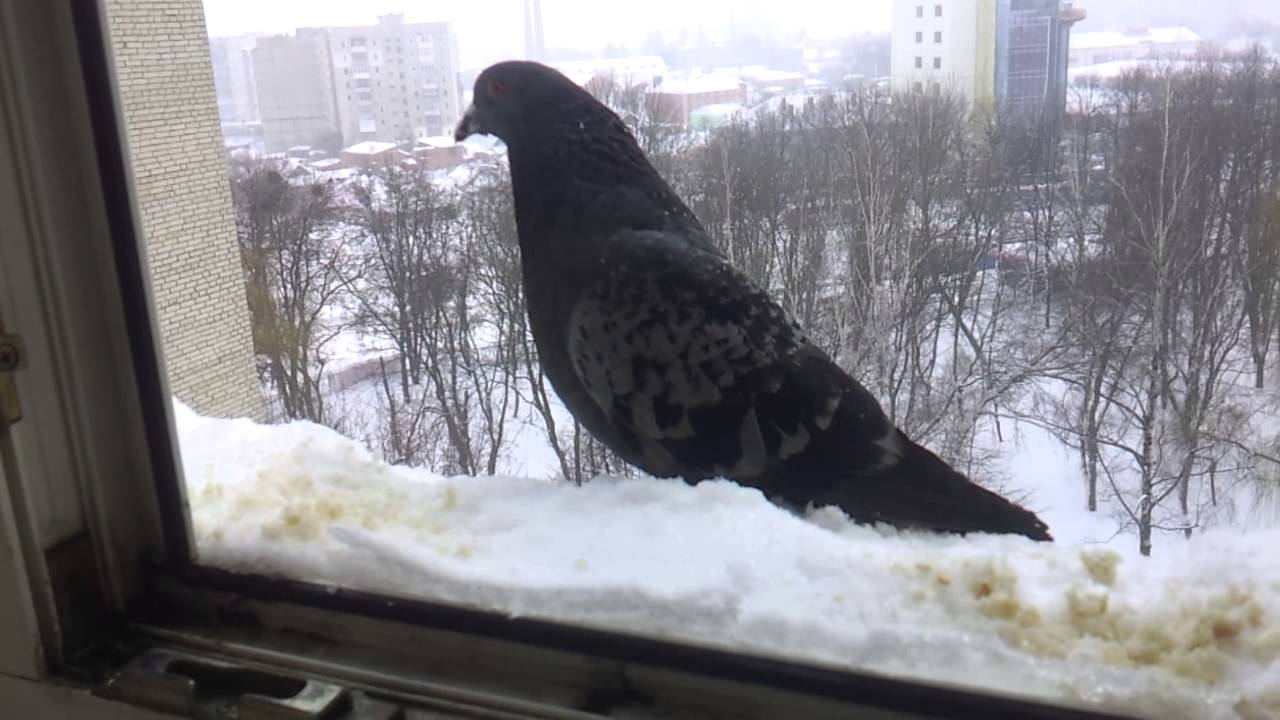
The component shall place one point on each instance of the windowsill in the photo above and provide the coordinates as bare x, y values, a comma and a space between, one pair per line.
430, 651
717, 566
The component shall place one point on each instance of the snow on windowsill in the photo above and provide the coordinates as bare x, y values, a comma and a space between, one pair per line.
1193, 632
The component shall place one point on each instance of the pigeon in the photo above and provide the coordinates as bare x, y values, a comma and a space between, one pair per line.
671, 356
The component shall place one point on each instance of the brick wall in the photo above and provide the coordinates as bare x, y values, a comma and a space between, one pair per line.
171, 115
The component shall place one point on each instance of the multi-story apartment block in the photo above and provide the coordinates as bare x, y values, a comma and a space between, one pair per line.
395, 80
295, 90
334, 87
945, 44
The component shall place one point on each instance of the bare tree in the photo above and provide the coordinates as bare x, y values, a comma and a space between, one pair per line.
1173, 256
295, 257
403, 220
1247, 118
437, 285
489, 217
405, 432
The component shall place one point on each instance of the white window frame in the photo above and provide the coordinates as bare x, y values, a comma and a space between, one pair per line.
81, 434
94, 525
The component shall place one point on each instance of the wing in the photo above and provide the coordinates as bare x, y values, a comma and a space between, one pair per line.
705, 373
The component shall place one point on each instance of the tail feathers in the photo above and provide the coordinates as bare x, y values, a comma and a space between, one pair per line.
922, 491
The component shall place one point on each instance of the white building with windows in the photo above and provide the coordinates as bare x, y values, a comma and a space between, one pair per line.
947, 44
395, 80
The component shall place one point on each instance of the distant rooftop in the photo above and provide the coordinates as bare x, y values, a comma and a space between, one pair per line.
762, 74
1152, 36
1116, 68
632, 64
437, 141
369, 147
718, 110
698, 85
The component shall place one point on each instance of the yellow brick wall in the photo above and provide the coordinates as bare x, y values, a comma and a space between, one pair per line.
175, 142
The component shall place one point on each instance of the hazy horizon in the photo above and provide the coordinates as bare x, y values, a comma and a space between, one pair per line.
494, 29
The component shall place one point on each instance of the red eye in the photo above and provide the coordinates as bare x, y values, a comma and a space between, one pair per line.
497, 87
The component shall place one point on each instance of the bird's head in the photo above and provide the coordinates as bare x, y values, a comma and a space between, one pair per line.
506, 94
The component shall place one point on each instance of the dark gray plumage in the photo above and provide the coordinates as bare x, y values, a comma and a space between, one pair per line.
668, 354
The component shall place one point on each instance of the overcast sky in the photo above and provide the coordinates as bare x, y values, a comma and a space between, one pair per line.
494, 29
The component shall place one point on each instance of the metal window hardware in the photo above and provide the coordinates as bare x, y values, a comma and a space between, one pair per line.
13, 357
199, 687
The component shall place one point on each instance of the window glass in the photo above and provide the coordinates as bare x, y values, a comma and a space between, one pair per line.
1062, 280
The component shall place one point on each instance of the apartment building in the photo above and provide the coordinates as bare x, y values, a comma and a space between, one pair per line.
395, 80
945, 44
295, 90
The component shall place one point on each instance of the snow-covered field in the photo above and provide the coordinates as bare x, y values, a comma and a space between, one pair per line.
1192, 632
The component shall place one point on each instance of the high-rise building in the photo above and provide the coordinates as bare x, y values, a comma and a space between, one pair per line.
1032, 42
1007, 54
945, 44
395, 80
232, 59
295, 84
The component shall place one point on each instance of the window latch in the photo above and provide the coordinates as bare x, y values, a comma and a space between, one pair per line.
194, 686
13, 357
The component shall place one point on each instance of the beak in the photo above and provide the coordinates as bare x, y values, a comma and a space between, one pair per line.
468, 125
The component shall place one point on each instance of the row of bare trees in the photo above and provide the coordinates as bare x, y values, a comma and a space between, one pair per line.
1169, 288
430, 276
1125, 297
875, 221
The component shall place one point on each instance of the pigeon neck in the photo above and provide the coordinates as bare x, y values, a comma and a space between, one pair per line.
571, 162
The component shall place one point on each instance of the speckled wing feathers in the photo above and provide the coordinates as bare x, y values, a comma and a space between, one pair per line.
685, 353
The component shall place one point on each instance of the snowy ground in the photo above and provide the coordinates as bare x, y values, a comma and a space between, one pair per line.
1193, 632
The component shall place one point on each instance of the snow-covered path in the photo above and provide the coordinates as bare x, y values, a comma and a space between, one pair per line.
1193, 632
